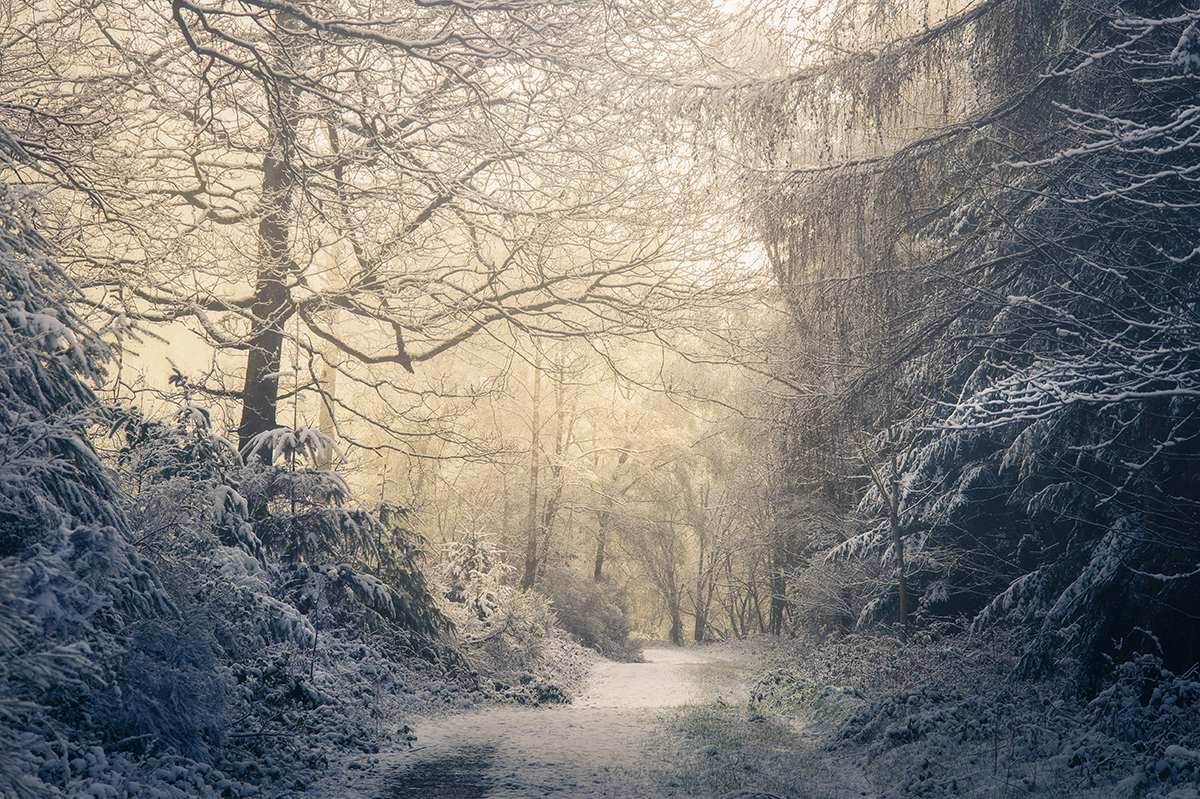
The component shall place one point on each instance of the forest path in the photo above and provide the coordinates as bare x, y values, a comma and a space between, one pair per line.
605, 744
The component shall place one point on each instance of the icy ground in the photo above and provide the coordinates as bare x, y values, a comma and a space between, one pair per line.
605, 744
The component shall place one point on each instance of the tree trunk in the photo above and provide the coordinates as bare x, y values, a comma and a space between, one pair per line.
898, 545
762, 627
703, 604
706, 583
891, 496
676, 613
780, 561
325, 421
271, 306
603, 516
601, 540
555, 499
549, 512
529, 576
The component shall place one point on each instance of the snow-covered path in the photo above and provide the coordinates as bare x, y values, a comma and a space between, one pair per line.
602, 745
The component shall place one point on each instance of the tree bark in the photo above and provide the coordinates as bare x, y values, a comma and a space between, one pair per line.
601, 540
325, 420
561, 434
891, 495
676, 613
898, 546
271, 305
529, 576
703, 605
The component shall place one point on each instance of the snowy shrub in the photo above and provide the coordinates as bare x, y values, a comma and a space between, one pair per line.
29, 664
511, 646
474, 573
505, 633
280, 622
304, 516
1146, 703
71, 582
298, 514
401, 563
180, 478
297, 507
343, 598
60, 508
166, 693
590, 611
943, 717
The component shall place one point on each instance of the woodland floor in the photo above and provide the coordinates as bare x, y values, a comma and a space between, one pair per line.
677, 724
860, 718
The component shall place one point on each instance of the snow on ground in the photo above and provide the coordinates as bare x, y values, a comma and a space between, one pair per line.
662, 681
859, 718
602, 745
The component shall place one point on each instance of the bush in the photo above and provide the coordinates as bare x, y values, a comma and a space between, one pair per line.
590, 611
167, 693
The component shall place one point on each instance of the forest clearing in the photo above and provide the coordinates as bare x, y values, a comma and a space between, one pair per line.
599, 398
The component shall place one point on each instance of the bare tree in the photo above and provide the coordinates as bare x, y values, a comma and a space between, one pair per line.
373, 188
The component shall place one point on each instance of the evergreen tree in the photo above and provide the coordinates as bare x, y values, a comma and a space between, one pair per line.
988, 251
69, 580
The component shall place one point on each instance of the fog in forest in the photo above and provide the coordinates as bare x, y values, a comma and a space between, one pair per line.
504, 398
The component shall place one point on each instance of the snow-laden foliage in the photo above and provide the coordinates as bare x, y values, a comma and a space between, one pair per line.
507, 635
137, 591
180, 475
49, 475
475, 573
71, 583
995, 316
297, 506
942, 717
947, 485
344, 598
516, 648
283, 446
589, 611
29, 660
1100, 409
191, 486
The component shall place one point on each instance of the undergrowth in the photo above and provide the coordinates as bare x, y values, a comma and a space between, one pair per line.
720, 748
945, 718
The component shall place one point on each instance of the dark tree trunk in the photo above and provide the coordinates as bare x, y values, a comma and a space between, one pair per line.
601, 540
548, 513
271, 308
603, 516
898, 546
778, 607
893, 500
554, 501
529, 575
701, 625
676, 612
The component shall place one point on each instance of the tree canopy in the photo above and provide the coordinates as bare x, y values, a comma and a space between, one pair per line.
372, 186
